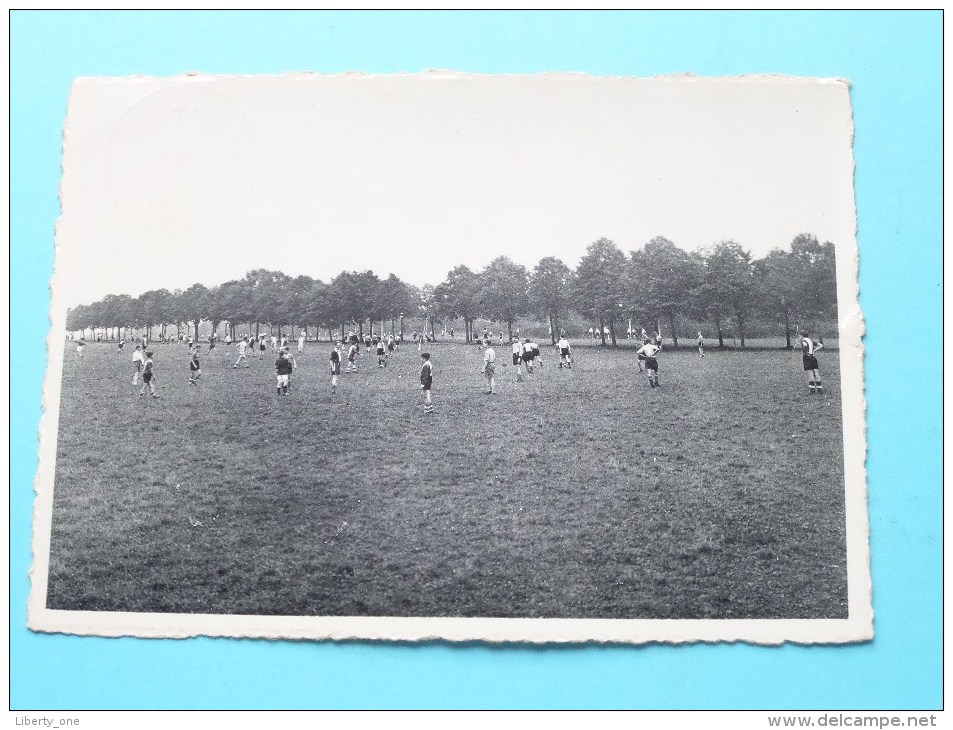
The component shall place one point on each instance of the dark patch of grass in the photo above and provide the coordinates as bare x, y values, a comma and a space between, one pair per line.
576, 493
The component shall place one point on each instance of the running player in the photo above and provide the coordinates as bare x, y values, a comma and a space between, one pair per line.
426, 381
649, 350
527, 355
148, 377
195, 369
391, 345
565, 352
381, 354
809, 349
352, 357
242, 355
335, 366
121, 343
489, 368
262, 346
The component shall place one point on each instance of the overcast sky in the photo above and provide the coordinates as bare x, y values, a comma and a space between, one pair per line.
168, 182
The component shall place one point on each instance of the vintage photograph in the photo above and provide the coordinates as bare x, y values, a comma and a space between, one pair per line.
442, 356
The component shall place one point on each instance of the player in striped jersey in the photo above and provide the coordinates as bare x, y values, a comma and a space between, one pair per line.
809, 349
649, 350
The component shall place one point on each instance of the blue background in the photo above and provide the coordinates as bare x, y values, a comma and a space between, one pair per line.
894, 62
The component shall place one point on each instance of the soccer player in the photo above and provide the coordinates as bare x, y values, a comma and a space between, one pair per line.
391, 345
381, 354
300, 343
121, 343
517, 358
242, 358
537, 358
148, 377
335, 366
641, 355
262, 347
80, 346
426, 381
701, 345
228, 339
565, 352
809, 349
195, 369
649, 350
351, 358
489, 368
283, 368
137, 360
527, 355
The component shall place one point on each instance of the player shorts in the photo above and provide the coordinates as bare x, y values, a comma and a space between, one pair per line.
651, 364
810, 362
262, 347
390, 346
535, 352
564, 352
350, 358
516, 358
198, 371
147, 377
335, 368
283, 380
527, 357
427, 383
489, 370
138, 364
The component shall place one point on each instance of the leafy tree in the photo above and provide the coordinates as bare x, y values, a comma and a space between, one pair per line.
459, 296
503, 291
599, 291
550, 286
663, 277
727, 286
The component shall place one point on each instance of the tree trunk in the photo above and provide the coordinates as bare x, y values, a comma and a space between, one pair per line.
401, 328
552, 329
433, 335
671, 323
741, 325
721, 336
602, 330
360, 330
509, 325
393, 329
196, 330
787, 329
612, 330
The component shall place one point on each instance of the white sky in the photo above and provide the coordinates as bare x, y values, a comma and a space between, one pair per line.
168, 182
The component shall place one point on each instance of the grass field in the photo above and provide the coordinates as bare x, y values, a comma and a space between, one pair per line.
579, 493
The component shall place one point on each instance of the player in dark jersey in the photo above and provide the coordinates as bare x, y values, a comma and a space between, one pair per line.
335, 366
195, 369
426, 381
283, 368
148, 377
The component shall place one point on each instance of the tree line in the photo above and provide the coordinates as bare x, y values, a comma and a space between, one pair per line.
658, 286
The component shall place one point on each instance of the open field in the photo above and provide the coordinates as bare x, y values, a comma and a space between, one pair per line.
576, 493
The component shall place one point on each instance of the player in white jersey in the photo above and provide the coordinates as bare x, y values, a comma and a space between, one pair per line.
518, 358
701, 345
138, 358
274, 343
489, 368
809, 349
565, 352
528, 355
352, 358
242, 353
300, 343
649, 350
